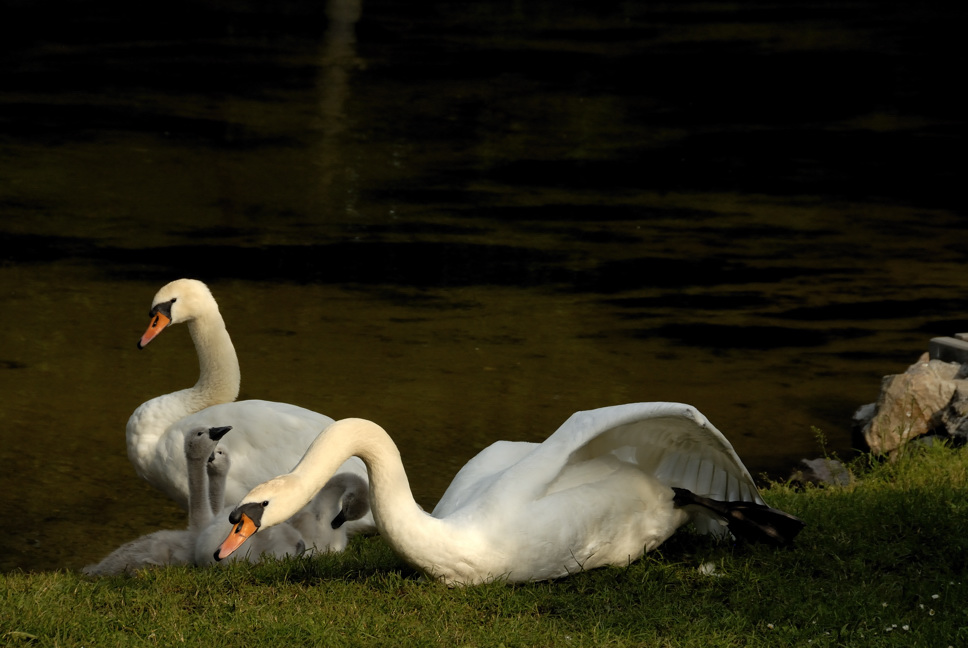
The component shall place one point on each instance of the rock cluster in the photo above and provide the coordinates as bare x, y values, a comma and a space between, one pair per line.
930, 398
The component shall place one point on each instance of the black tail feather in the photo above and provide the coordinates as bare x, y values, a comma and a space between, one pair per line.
747, 520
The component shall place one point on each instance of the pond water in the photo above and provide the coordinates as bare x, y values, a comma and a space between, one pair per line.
465, 221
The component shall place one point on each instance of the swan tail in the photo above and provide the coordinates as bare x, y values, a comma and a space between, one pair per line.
746, 520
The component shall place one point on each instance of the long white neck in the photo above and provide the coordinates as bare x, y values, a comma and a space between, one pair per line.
403, 524
219, 376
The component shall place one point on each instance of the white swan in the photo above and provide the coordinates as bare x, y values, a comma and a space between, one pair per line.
322, 531
268, 438
599, 491
279, 541
171, 547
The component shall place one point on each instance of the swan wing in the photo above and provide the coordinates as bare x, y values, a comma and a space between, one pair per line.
479, 473
672, 443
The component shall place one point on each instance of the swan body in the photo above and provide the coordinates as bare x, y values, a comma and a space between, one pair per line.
346, 493
171, 547
282, 540
599, 491
268, 438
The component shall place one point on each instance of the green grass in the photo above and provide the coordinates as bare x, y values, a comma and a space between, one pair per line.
881, 563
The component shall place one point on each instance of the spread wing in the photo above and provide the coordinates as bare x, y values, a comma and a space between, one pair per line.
673, 442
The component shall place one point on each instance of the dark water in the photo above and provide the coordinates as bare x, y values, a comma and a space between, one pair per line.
465, 221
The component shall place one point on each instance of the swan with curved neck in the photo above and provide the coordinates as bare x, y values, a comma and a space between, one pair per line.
269, 437
607, 486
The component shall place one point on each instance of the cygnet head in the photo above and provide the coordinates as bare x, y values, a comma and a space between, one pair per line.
344, 498
200, 442
355, 502
218, 463
179, 301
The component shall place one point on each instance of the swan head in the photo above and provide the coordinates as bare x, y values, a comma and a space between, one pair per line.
265, 506
179, 301
275, 501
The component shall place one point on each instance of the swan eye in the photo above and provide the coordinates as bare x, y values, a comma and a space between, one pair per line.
164, 309
265, 503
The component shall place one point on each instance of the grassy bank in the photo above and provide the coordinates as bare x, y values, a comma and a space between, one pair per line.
881, 563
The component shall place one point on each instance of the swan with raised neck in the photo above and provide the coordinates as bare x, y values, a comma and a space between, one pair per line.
268, 438
190, 302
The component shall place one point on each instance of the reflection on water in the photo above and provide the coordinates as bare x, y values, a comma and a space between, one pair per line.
464, 222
